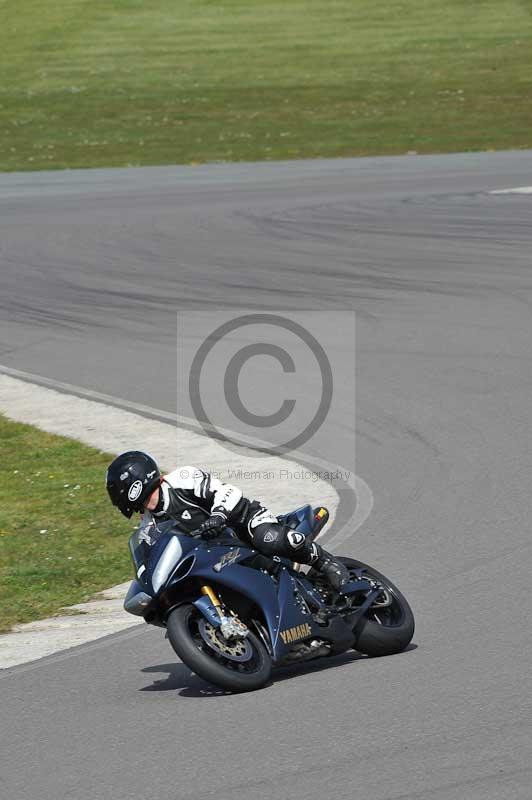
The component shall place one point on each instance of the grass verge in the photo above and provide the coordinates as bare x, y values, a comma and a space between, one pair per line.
60, 539
126, 82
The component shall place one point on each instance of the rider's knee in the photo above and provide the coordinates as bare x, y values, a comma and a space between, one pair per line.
269, 539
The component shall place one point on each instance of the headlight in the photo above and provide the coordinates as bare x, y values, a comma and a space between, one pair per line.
169, 558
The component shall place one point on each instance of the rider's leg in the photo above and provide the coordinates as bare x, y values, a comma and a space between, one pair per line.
274, 539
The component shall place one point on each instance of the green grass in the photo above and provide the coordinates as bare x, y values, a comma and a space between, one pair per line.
89, 83
60, 539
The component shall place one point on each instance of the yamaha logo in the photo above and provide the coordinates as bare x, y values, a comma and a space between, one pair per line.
294, 634
135, 491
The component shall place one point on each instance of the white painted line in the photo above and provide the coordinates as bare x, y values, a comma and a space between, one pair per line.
90, 394
517, 190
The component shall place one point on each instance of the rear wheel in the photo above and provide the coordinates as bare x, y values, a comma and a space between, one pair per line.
388, 626
237, 665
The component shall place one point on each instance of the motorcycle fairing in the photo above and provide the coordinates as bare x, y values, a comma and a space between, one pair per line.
275, 599
220, 563
306, 520
294, 622
137, 601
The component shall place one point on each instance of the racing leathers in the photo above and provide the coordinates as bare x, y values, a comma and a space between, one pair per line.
195, 499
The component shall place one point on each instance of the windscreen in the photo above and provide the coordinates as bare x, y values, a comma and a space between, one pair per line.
145, 537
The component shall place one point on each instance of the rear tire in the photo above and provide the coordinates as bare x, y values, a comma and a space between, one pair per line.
183, 626
385, 631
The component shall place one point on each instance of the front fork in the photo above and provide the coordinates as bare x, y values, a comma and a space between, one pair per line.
214, 599
211, 608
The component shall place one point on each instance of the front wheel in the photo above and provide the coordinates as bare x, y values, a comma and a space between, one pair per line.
237, 665
388, 626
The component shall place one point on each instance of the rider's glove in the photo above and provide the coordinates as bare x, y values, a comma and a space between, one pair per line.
212, 527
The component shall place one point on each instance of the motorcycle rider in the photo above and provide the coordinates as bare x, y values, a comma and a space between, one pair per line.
197, 500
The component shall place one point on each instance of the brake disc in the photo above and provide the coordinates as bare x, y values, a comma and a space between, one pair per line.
384, 598
233, 649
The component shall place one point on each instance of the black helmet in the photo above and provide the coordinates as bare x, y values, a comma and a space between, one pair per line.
130, 479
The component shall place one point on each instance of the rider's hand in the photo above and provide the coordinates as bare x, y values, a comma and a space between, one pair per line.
212, 526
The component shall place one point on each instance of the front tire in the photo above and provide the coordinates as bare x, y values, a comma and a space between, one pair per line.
384, 630
187, 634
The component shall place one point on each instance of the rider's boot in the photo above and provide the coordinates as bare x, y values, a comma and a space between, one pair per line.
330, 567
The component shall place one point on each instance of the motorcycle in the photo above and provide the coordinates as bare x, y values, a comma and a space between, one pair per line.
232, 614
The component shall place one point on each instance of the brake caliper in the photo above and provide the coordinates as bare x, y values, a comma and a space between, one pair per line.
232, 628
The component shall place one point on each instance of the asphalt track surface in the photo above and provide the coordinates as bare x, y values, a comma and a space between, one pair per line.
93, 267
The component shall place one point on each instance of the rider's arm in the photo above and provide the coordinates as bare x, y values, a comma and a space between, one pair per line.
222, 499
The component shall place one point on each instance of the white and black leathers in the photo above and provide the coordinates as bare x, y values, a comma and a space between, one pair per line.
190, 496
